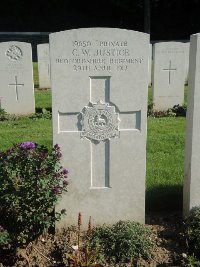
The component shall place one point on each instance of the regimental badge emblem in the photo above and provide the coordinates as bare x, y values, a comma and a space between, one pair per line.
99, 121
14, 53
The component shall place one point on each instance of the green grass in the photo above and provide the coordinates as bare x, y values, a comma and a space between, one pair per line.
165, 162
165, 150
165, 154
43, 99
35, 74
25, 129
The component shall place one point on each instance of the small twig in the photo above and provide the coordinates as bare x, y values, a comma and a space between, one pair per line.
89, 231
79, 227
43, 255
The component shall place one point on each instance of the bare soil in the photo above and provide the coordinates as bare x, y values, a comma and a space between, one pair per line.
51, 250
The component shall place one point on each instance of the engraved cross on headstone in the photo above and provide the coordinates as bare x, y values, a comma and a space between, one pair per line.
99, 151
169, 70
16, 84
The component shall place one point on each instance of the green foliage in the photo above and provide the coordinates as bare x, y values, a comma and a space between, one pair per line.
4, 236
150, 108
185, 260
122, 242
192, 261
176, 111
32, 181
12, 117
43, 114
192, 232
2, 114
157, 114
161, 113
40, 114
2, 111
180, 110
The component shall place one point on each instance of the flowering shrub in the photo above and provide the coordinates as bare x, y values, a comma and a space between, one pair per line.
32, 181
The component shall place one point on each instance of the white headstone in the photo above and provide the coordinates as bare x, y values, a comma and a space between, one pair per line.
16, 76
191, 192
187, 50
150, 63
168, 74
43, 65
99, 85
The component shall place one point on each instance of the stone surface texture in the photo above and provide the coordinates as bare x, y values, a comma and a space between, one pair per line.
150, 63
99, 80
168, 74
191, 192
43, 66
16, 75
187, 51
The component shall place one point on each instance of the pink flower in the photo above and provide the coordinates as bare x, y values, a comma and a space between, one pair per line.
65, 183
28, 145
57, 189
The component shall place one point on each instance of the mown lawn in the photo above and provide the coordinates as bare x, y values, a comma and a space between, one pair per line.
165, 150
35, 74
25, 129
43, 99
165, 162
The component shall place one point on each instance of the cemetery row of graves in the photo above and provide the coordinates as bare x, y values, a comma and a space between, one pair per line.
94, 104
168, 66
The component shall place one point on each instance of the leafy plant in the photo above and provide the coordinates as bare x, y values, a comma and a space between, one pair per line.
4, 236
2, 114
159, 113
192, 261
43, 114
32, 181
150, 108
176, 111
180, 110
122, 242
192, 232
163, 113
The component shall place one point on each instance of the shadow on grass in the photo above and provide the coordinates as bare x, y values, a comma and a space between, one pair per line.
40, 110
164, 198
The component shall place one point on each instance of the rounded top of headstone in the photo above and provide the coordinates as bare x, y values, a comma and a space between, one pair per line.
100, 30
169, 43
